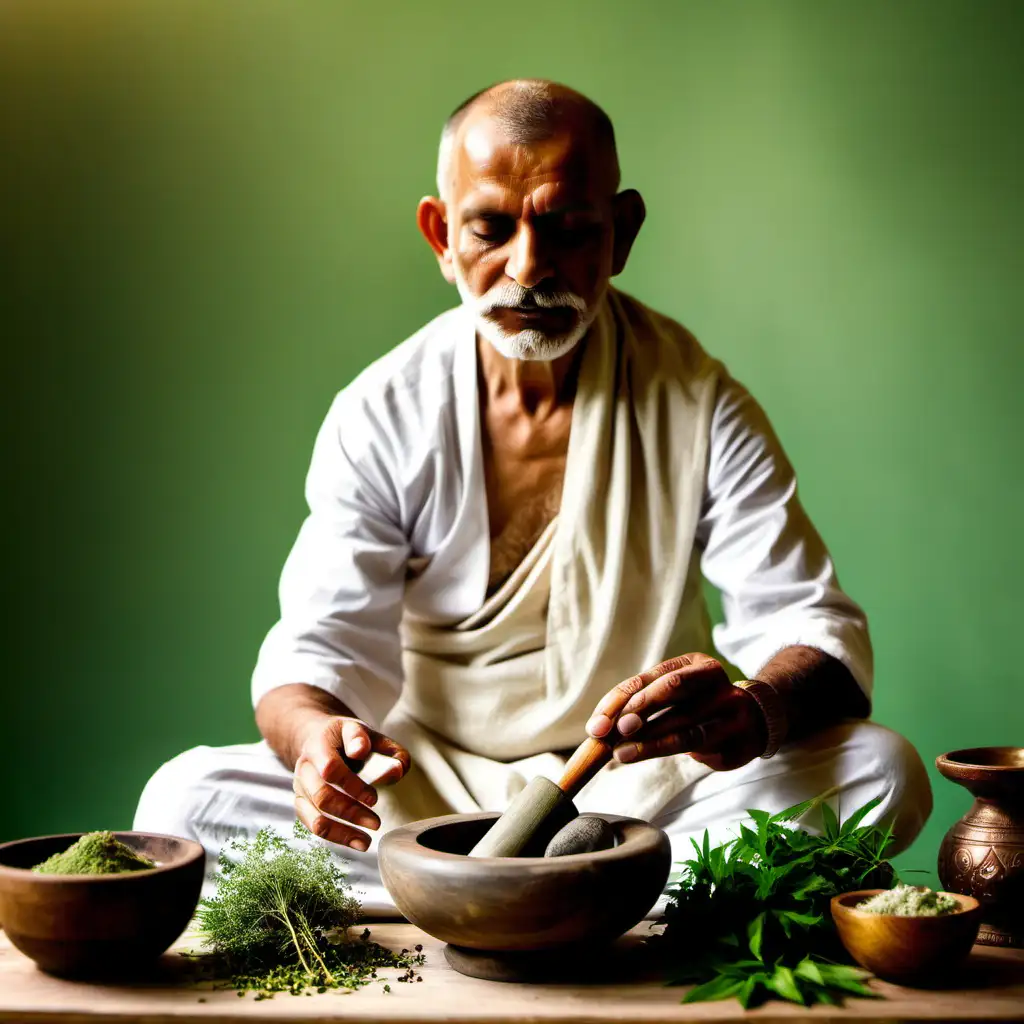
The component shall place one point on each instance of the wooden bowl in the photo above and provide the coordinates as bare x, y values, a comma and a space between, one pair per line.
99, 925
906, 950
521, 903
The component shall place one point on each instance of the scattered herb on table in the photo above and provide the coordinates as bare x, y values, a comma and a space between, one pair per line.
751, 919
910, 901
280, 919
95, 853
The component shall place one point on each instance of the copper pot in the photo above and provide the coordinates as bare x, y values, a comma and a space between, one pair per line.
982, 855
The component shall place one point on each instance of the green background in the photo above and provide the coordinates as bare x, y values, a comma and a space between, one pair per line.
207, 230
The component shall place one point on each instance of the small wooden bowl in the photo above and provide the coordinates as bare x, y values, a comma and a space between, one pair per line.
907, 950
99, 925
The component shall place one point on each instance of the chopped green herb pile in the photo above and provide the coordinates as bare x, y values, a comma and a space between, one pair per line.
910, 901
751, 918
96, 853
279, 922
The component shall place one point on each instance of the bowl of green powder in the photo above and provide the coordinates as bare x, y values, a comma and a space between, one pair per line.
98, 903
908, 934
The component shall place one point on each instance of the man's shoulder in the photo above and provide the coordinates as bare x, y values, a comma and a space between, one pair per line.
425, 359
410, 391
691, 357
394, 415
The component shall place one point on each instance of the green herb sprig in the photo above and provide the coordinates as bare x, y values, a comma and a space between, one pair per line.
279, 922
750, 918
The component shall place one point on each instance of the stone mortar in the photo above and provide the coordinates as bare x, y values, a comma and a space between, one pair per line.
513, 904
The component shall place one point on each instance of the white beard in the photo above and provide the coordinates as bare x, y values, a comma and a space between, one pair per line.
529, 345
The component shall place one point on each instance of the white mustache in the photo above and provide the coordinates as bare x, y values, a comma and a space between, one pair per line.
514, 296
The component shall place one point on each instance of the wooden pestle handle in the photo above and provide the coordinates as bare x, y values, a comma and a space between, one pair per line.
587, 760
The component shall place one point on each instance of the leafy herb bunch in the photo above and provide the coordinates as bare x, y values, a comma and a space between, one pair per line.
751, 918
280, 917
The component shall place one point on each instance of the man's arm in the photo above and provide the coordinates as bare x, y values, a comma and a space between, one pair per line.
815, 690
787, 623
341, 587
330, 669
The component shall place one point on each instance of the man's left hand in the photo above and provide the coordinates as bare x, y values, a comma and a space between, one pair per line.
684, 705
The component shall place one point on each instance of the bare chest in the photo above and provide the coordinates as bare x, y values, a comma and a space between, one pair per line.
524, 471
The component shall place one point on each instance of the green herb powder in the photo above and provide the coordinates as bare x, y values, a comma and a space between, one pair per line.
910, 901
97, 853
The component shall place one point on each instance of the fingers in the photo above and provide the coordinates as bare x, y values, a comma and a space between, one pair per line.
323, 753
609, 707
326, 828
325, 810
686, 681
329, 795
355, 740
691, 684
675, 737
399, 755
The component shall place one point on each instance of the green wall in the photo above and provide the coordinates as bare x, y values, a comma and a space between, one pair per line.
207, 229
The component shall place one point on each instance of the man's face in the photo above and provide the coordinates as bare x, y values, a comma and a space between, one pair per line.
530, 231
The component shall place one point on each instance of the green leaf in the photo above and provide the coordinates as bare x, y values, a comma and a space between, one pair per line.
808, 970
721, 987
785, 984
761, 819
849, 979
766, 882
740, 968
748, 839
831, 822
806, 881
747, 992
794, 813
755, 933
807, 920
858, 816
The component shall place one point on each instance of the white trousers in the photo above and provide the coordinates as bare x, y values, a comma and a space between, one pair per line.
213, 793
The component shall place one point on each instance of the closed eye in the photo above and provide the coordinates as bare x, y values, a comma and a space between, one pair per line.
492, 227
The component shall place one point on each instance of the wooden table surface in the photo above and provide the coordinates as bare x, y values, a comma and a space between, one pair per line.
991, 989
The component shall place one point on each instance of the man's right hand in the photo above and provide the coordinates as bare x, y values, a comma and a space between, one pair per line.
329, 796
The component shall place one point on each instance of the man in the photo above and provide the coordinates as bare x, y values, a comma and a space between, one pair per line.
509, 517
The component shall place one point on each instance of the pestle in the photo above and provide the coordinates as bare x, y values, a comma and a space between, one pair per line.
543, 805
584, 834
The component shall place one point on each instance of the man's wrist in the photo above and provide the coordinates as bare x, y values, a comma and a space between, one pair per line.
773, 711
815, 690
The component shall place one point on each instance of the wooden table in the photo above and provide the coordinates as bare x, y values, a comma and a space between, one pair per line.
993, 980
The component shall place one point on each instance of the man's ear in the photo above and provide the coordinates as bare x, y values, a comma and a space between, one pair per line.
433, 225
629, 212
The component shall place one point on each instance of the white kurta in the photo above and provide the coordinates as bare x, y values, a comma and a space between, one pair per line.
384, 604
398, 524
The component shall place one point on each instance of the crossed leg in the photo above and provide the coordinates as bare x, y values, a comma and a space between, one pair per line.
213, 793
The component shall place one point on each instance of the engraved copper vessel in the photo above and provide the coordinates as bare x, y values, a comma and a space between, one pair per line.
982, 855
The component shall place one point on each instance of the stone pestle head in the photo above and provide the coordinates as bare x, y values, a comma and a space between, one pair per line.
543, 807
584, 834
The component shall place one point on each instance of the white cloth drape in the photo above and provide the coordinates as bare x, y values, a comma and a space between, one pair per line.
598, 596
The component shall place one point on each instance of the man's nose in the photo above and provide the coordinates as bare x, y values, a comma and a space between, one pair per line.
528, 263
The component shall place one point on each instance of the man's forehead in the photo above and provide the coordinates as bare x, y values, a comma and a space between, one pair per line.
488, 162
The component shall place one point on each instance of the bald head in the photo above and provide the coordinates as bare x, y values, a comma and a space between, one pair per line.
530, 111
